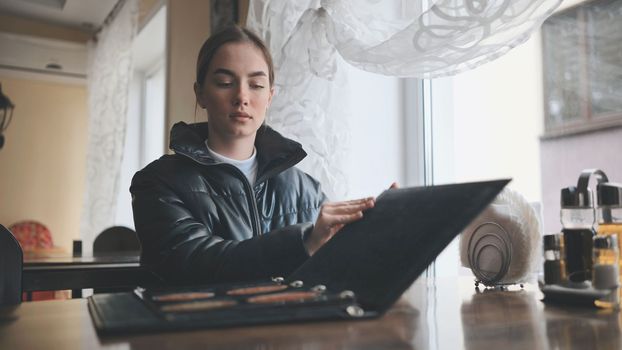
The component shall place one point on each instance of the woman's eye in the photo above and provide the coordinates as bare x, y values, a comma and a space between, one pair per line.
224, 84
256, 86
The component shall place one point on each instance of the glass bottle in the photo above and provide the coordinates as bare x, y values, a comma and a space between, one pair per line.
577, 218
606, 269
610, 212
554, 265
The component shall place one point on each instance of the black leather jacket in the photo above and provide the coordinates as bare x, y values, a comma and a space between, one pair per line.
199, 220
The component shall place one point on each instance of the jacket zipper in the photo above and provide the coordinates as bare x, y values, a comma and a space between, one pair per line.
247, 186
252, 203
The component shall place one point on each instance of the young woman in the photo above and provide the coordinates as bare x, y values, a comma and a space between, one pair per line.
229, 204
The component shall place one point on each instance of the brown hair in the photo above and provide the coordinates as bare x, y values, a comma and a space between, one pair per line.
231, 34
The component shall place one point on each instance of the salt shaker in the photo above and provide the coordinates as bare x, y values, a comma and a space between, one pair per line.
605, 269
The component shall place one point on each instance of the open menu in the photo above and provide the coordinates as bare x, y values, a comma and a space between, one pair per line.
359, 273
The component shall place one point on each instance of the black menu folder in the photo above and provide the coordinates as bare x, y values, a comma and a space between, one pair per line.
359, 273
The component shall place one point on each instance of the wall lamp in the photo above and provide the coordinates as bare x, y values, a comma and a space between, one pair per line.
6, 114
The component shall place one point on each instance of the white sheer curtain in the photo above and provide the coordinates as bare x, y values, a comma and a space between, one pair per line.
311, 40
109, 74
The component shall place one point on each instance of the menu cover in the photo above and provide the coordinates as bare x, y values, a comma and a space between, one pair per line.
239, 304
358, 274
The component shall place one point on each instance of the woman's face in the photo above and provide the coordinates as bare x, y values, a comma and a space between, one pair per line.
236, 91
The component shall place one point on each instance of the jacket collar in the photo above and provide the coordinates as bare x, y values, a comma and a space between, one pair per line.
275, 152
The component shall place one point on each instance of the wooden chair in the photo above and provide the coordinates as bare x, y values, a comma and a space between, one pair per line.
116, 239
11, 261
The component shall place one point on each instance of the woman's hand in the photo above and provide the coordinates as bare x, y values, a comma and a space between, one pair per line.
332, 217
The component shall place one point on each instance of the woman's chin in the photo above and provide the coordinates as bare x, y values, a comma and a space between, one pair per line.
242, 131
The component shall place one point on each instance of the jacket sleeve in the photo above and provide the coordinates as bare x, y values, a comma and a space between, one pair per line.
181, 249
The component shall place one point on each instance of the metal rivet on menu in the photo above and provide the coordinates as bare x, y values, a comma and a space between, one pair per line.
296, 284
319, 288
278, 279
346, 294
355, 311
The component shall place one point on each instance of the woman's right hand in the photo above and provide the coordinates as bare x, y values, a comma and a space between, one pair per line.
332, 217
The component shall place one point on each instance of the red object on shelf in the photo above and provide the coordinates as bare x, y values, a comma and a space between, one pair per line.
34, 236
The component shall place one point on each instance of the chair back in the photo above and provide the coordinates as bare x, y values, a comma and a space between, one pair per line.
116, 239
32, 235
11, 261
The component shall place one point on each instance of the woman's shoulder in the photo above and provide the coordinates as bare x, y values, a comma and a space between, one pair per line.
167, 163
294, 175
170, 168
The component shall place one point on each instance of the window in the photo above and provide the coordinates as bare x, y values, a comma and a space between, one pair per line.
489, 122
582, 58
145, 129
153, 131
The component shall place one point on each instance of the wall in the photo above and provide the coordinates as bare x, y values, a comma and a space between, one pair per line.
563, 159
42, 164
188, 26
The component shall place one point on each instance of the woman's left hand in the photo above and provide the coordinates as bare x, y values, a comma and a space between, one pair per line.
332, 217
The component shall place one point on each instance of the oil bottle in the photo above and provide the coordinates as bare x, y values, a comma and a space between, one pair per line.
577, 218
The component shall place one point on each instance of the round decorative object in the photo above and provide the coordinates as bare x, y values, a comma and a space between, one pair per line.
490, 251
501, 246
32, 235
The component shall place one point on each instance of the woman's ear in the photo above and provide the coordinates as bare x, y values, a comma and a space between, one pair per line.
197, 93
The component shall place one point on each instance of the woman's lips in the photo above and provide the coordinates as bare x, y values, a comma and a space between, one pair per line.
240, 116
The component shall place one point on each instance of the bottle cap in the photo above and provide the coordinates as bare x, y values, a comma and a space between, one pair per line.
609, 194
572, 198
605, 242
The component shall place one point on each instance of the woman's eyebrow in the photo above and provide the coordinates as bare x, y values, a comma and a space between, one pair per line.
232, 74
224, 71
258, 74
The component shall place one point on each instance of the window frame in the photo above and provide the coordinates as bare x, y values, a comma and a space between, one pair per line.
589, 120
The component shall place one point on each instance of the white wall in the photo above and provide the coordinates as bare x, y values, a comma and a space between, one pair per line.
42, 163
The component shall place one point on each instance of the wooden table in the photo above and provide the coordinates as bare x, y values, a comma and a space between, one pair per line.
57, 271
446, 314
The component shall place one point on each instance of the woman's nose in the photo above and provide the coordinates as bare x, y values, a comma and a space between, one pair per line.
241, 96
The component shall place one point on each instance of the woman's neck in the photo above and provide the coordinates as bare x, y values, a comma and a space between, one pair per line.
239, 149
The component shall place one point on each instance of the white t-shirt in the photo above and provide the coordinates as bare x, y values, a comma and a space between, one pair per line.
247, 166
